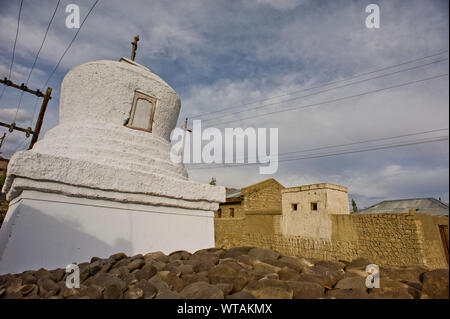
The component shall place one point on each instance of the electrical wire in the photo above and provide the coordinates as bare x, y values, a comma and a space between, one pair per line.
360, 142
64, 53
14, 46
70, 44
34, 63
381, 147
327, 90
297, 107
322, 85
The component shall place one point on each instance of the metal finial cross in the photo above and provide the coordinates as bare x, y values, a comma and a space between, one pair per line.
185, 128
134, 44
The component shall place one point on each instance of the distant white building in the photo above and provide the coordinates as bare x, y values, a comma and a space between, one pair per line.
306, 209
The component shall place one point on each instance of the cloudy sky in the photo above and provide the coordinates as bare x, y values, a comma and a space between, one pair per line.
269, 56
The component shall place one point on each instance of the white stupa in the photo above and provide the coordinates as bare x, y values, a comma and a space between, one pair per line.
102, 181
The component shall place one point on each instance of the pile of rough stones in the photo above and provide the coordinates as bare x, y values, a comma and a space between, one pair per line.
235, 273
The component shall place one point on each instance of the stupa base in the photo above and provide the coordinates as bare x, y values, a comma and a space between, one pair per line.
51, 230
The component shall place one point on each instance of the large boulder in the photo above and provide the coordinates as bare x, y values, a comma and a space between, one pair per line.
295, 263
351, 282
235, 251
106, 280
158, 256
269, 289
241, 295
201, 290
148, 290
347, 294
262, 268
409, 274
323, 275
435, 284
146, 272
288, 274
158, 283
306, 290
225, 274
390, 293
332, 265
168, 294
172, 279
203, 260
263, 254
179, 255
247, 260
136, 264
359, 264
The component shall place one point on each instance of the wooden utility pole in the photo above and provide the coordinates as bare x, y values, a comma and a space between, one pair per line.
22, 87
28, 131
184, 138
2, 139
134, 47
40, 119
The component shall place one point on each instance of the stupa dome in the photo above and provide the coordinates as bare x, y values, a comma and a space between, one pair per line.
101, 93
113, 135
102, 180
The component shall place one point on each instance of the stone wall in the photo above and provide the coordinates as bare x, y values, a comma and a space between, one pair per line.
258, 210
385, 238
229, 232
304, 246
433, 246
397, 239
263, 196
225, 210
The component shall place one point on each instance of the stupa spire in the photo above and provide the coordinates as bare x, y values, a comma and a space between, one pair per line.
134, 47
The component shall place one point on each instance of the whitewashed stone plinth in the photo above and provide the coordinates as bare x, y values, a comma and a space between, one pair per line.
94, 186
52, 230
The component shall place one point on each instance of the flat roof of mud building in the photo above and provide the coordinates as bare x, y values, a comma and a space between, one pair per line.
428, 205
315, 187
235, 193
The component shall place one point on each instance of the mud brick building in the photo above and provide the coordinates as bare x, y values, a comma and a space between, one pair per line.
315, 221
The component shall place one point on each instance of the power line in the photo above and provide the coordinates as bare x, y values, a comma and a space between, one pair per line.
335, 100
34, 63
368, 141
19, 145
14, 47
329, 89
411, 193
361, 142
323, 85
414, 142
64, 53
13, 56
70, 44
43, 40
437, 139
66, 50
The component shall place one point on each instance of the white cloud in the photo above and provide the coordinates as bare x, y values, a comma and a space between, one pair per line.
222, 53
9, 114
281, 5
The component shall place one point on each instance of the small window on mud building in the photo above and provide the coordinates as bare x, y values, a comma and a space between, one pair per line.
231, 212
313, 206
294, 207
219, 213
